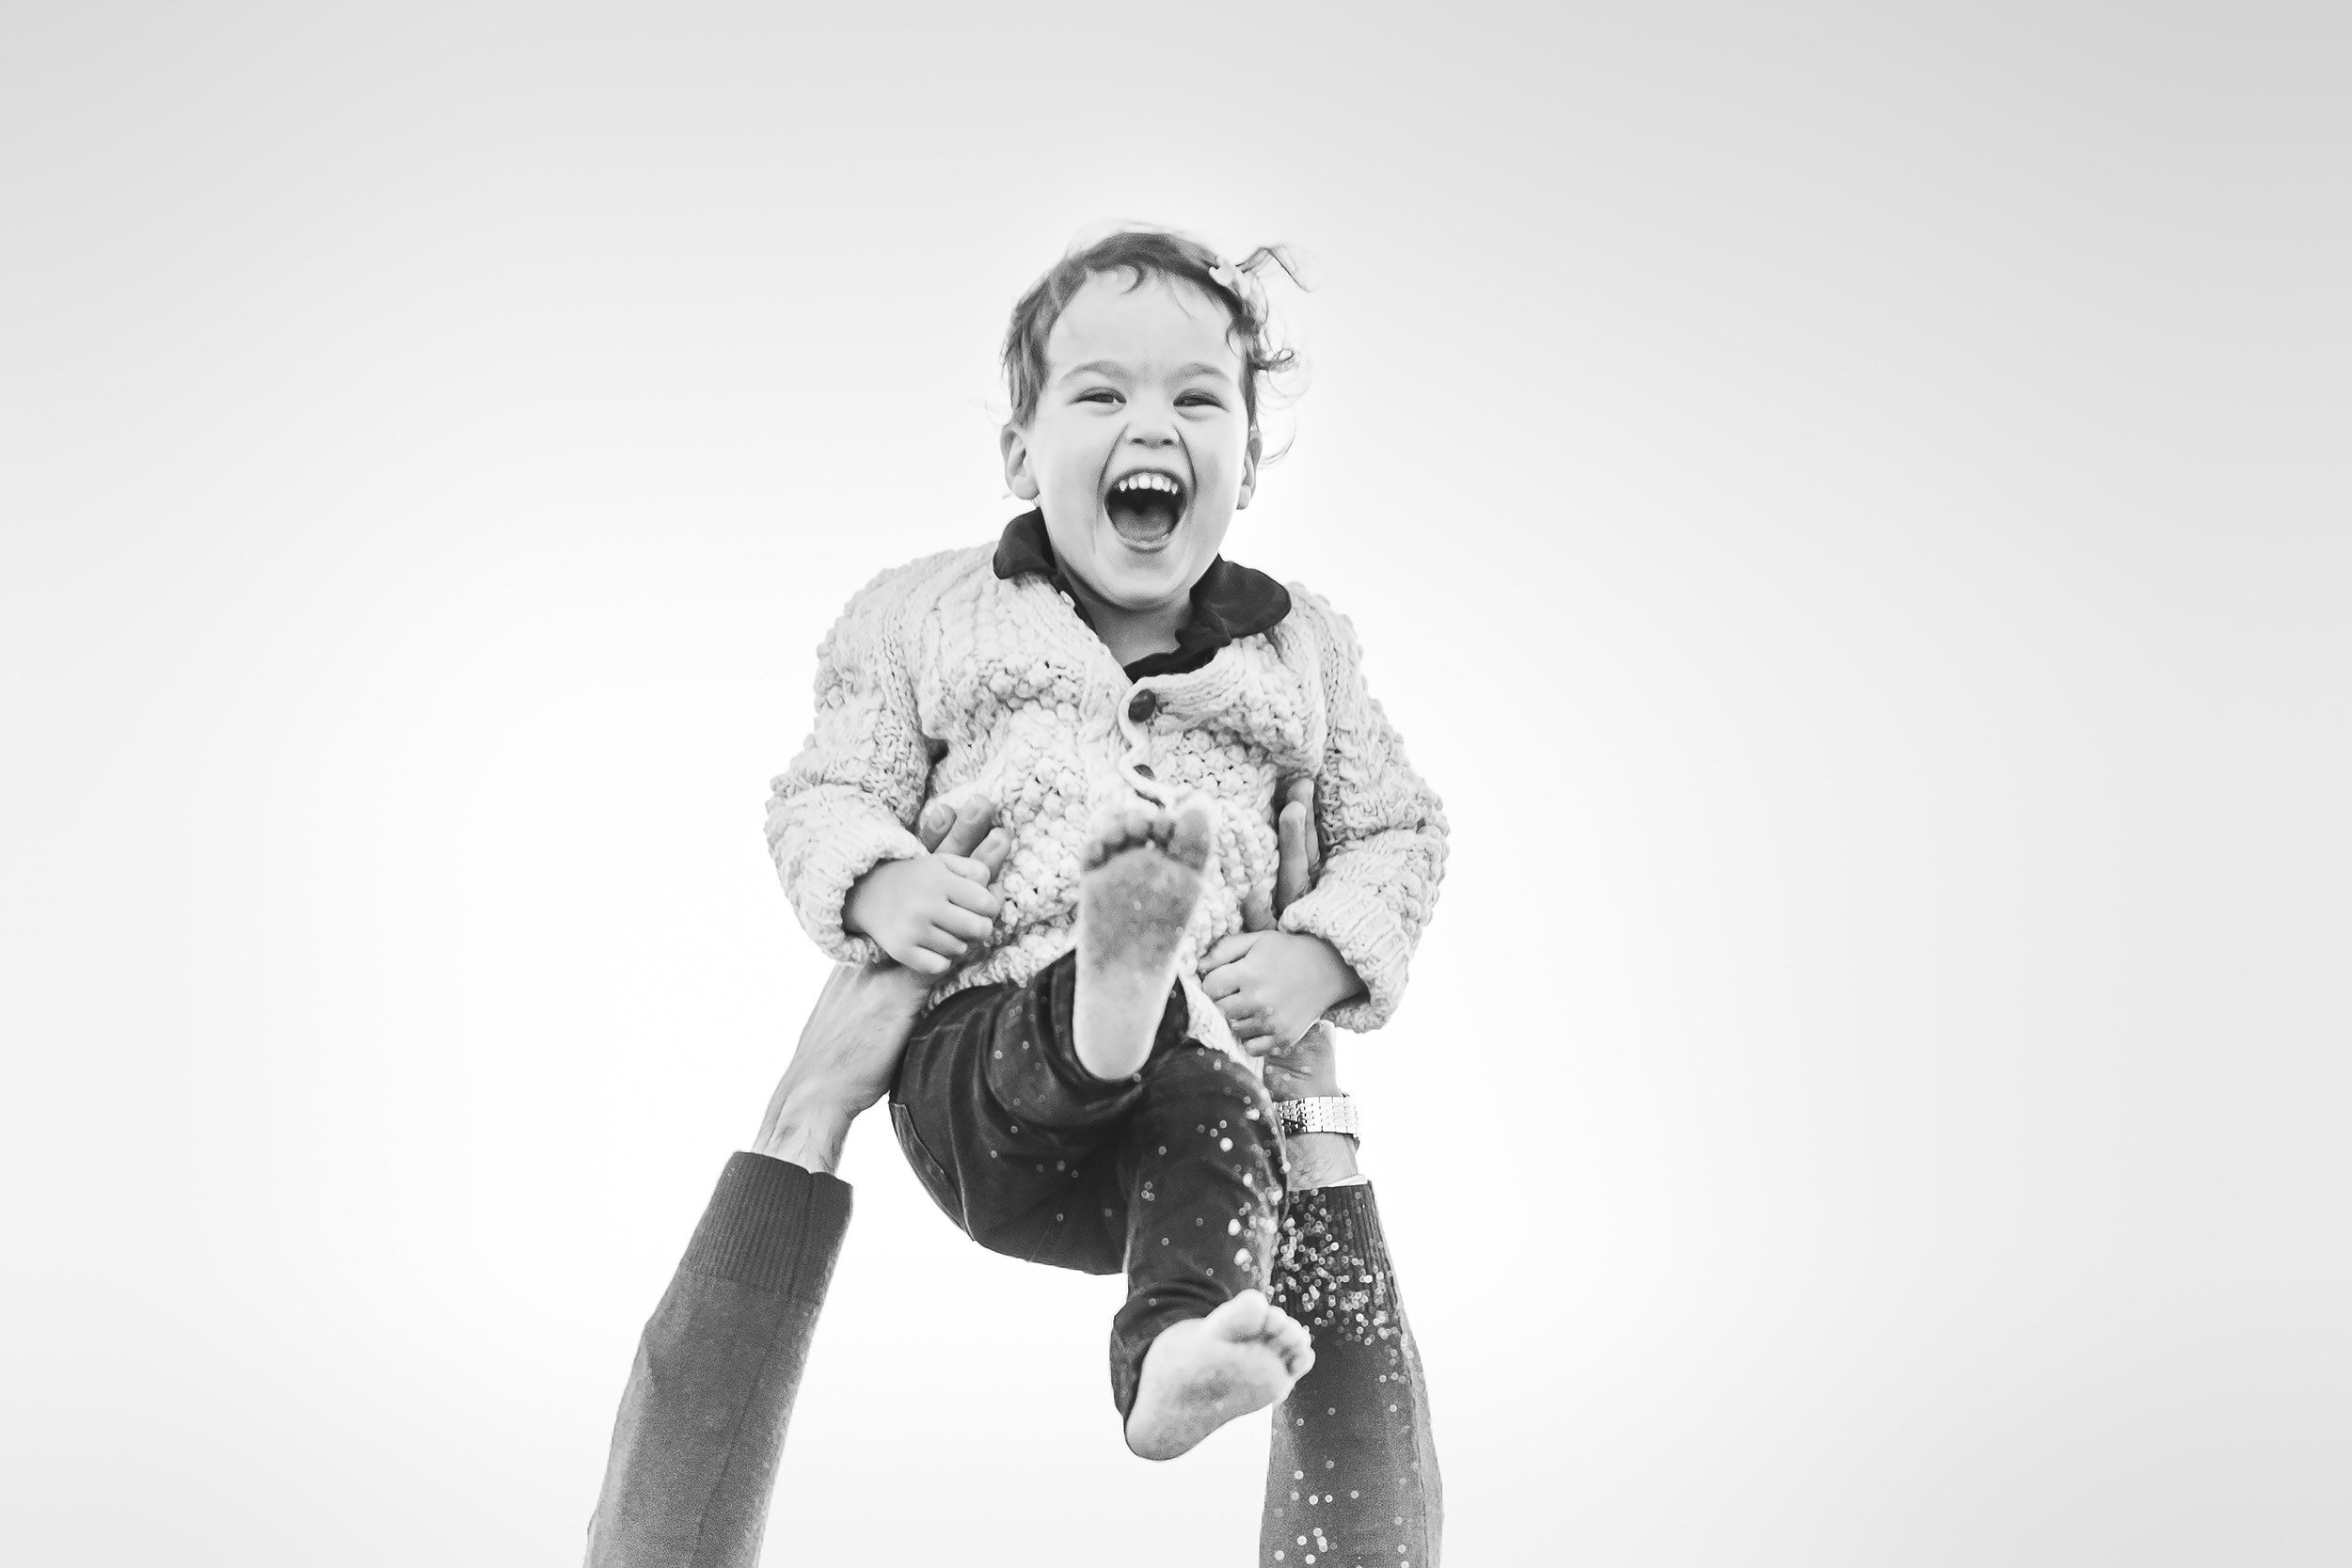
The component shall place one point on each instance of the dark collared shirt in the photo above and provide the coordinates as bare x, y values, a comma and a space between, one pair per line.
1228, 603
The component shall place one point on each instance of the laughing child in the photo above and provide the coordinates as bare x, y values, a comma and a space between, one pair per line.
1079, 1094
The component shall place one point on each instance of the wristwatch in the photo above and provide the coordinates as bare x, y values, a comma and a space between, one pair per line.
1326, 1113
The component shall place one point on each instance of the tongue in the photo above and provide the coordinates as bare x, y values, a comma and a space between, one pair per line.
1146, 518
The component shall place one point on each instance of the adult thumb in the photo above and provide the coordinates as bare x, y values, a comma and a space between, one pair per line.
1257, 911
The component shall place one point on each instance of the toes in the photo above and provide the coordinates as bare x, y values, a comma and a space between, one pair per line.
1288, 1336
1193, 827
1121, 829
1187, 832
1290, 1341
1241, 1317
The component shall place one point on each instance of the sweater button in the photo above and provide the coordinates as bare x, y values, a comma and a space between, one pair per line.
1143, 770
1143, 704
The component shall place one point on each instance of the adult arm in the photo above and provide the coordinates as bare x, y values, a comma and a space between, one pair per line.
703, 1418
1352, 1472
702, 1421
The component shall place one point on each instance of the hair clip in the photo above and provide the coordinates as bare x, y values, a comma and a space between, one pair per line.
1228, 277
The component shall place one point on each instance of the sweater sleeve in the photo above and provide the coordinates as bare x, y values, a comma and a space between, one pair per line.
702, 1421
1383, 829
845, 804
1352, 1474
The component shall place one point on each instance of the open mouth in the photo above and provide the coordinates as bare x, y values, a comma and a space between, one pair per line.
1145, 508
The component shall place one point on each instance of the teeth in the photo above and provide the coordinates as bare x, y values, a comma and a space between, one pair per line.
1149, 482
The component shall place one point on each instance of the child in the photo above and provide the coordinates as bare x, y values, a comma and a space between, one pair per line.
1130, 702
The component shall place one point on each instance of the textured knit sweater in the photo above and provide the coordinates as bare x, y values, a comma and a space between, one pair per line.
942, 680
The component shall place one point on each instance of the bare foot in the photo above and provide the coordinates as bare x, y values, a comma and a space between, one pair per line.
1201, 1372
1140, 884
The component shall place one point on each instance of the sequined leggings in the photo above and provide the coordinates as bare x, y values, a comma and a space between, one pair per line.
1175, 1174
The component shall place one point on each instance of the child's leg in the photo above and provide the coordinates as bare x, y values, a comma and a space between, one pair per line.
1196, 1343
1009, 1133
1140, 885
1012, 1107
1006, 1092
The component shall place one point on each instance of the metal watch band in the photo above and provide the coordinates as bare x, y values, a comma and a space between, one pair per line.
1331, 1113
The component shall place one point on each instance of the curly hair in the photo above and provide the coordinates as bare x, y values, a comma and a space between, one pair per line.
1145, 253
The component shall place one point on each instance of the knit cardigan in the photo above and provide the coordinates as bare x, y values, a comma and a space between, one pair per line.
942, 680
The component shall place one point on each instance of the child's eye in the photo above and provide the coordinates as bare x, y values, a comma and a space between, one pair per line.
1099, 394
1199, 400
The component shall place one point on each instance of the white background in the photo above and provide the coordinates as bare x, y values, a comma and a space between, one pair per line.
1849, 504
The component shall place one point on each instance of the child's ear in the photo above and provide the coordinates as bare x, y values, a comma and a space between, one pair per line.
1248, 469
1015, 448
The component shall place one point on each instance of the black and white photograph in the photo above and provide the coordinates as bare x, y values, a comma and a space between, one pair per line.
1299, 785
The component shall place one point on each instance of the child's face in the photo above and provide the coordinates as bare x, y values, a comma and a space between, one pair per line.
1138, 382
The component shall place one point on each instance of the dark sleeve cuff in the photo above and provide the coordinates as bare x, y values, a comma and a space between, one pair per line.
773, 1227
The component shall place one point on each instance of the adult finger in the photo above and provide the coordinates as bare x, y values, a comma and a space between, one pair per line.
1295, 842
993, 851
982, 866
1220, 983
926, 963
1257, 911
972, 824
933, 825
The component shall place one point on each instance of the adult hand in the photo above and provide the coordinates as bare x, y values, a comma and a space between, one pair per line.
850, 1045
1298, 857
1308, 1066
1272, 984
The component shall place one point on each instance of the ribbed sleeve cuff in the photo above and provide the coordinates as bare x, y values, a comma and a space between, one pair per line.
829, 844
1368, 935
773, 1227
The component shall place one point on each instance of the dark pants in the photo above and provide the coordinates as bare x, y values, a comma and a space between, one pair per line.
1174, 1175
